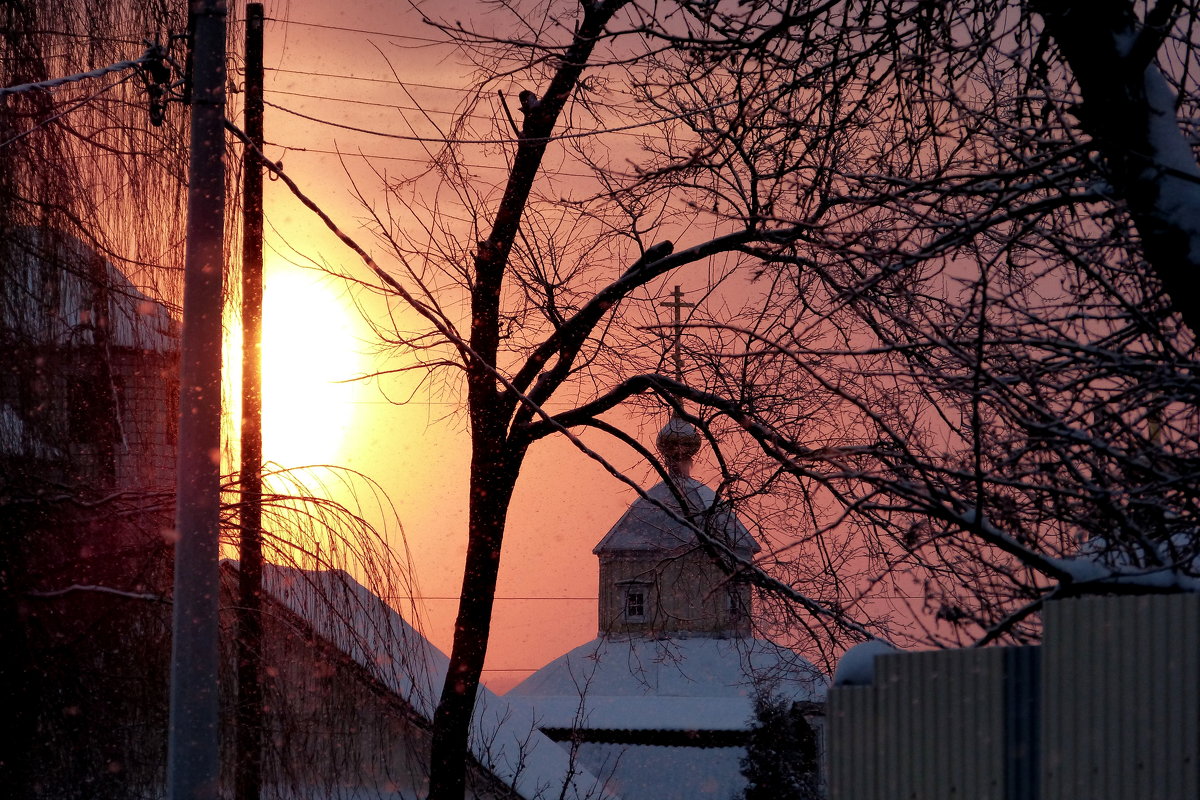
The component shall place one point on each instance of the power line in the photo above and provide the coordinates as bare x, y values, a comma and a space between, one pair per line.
64, 112
376, 105
409, 159
594, 598
398, 106
54, 83
505, 139
72, 35
389, 81
456, 597
359, 30
461, 90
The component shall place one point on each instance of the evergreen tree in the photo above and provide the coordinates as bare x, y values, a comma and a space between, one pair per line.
781, 754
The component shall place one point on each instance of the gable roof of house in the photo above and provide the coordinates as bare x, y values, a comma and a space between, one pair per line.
504, 739
53, 297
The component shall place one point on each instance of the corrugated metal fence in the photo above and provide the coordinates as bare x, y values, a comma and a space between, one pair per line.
1121, 689
948, 724
1108, 708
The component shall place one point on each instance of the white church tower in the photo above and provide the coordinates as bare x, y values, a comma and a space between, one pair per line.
657, 578
659, 705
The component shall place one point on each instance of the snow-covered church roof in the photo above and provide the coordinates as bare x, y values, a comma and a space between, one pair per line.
653, 522
663, 717
679, 684
646, 526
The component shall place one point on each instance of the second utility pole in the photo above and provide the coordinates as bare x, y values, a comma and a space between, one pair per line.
249, 714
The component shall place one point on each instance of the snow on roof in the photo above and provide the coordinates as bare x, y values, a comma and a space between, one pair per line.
693, 683
1162, 564
66, 312
856, 667
504, 736
667, 773
645, 526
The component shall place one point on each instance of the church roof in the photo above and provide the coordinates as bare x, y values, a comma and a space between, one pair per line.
647, 527
686, 683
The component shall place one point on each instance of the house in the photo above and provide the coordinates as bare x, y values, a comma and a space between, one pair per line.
89, 389
1107, 707
661, 702
87, 442
89, 383
351, 692
348, 699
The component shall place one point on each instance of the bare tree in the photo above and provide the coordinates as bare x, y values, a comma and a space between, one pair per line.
937, 237
538, 306
990, 202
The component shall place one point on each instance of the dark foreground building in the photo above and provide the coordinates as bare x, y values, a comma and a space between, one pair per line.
88, 394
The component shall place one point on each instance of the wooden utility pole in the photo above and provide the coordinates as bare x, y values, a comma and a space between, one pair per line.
193, 757
248, 717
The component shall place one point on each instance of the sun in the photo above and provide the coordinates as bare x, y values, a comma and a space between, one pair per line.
310, 351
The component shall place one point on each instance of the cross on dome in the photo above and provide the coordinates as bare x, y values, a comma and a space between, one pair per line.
678, 304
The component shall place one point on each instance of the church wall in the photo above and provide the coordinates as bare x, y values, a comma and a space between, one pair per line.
684, 592
655, 772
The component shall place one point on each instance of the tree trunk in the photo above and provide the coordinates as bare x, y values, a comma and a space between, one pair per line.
496, 459
1128, 110
493, 475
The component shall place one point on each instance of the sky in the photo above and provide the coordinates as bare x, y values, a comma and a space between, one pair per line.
336, 62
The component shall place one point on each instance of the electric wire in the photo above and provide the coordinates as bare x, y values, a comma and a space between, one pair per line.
390, 81
91, 37
328, 98
386, 34
407, 159
399, 107
443, 326
43, 123
504, 139
54, 83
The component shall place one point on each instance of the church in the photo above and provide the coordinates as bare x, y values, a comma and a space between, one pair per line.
661, 702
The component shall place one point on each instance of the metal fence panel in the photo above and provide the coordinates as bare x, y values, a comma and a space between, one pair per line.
1121, 698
